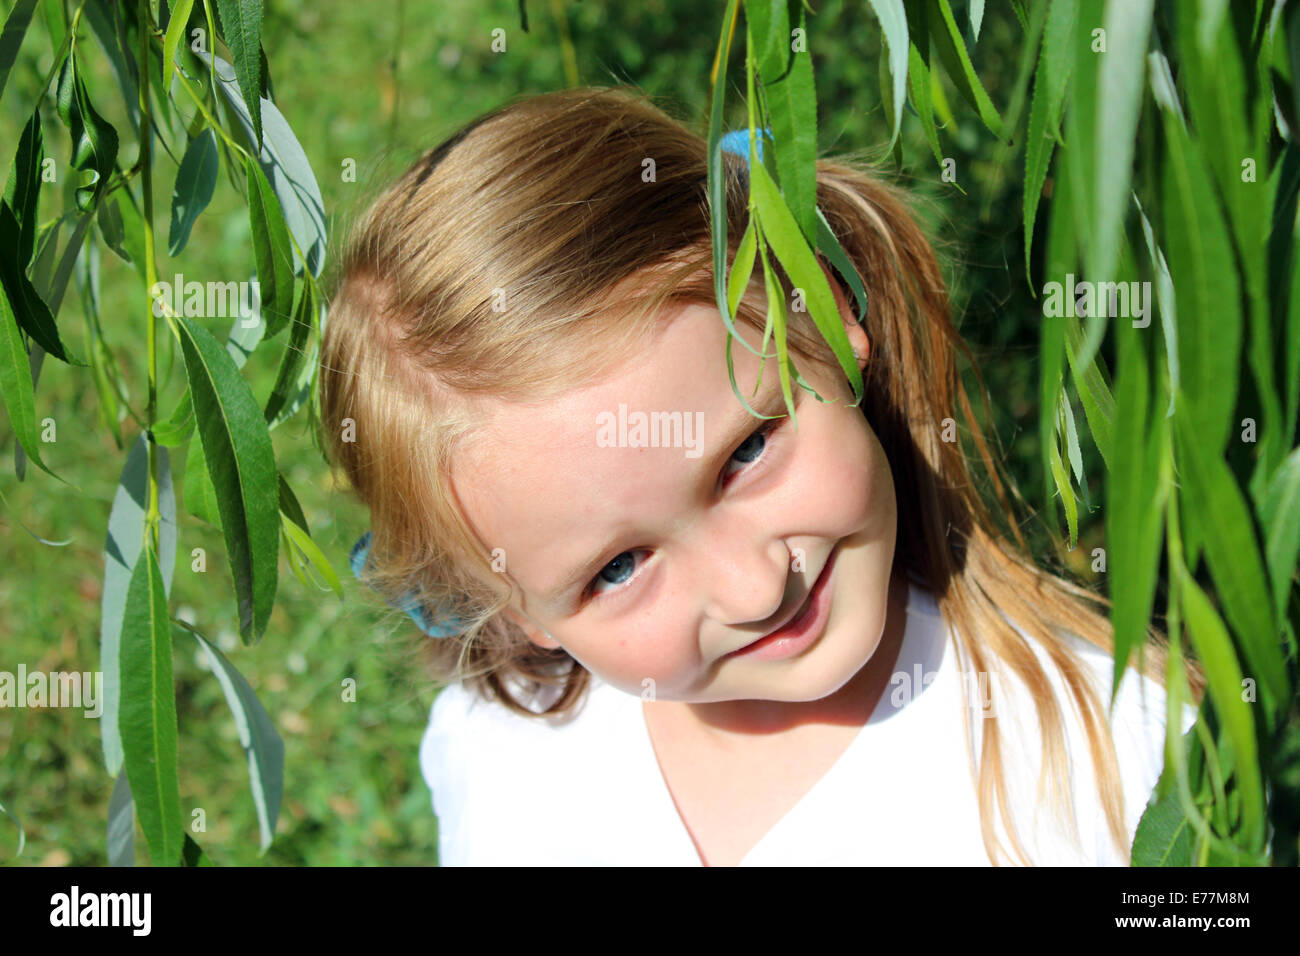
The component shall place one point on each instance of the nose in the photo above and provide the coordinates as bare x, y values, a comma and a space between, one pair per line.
744, 580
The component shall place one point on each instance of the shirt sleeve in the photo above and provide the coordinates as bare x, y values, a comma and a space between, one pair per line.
443, 766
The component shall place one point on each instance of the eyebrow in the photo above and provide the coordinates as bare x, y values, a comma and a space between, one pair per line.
771, 402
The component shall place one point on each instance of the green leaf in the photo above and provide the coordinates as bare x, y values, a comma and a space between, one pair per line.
742, 268
241, 28
1280, 517
11, 39
112, 229
1135, 499
94, 141
1233, 555
717, 196
121, 554
1166, 303
918, 81
776, 312
272, 249
1224, 682
950, 46
893, 26
178, 426
148, 712
976, 17
285, 164
297, 366
192, 854
781, 232
1164, 835
830, 247
299, 537
237, 450
257, 735
23, 189
200, 496
792, 111
1051, 80
16, 386
121, 824
196, 180
30, 310
1119, 76
180, 18
1206, 286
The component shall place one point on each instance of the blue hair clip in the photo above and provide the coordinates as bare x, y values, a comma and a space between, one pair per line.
737, 142
431, 622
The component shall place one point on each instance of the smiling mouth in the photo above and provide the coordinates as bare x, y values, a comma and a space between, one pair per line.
800, 615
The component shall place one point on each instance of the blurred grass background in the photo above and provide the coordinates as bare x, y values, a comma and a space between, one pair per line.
377, 85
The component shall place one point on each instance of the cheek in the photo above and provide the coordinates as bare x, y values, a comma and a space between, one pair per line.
646, 651
842, 480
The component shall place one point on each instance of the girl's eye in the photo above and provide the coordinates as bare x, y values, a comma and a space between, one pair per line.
619, 571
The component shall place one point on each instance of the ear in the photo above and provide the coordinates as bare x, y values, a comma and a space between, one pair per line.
538, 635
857, 336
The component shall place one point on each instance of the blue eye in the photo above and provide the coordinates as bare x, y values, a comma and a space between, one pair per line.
620, 570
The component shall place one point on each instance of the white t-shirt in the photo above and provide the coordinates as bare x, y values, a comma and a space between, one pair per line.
510, 790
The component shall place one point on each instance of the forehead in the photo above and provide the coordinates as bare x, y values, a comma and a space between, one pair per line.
541, 482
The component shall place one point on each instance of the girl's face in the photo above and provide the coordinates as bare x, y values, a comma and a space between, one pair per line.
654, 564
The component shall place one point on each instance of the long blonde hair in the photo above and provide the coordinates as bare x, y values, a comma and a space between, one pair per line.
542, 204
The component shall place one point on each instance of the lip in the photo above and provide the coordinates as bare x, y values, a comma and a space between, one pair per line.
802, 628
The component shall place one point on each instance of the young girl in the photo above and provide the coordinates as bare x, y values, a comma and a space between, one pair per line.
718, 639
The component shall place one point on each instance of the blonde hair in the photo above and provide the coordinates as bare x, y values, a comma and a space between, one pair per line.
542, 202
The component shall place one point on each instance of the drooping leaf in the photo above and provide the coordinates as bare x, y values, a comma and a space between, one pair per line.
893, 27
1135, 502
121, 554
1051, 80
23, 189
1224, 682
286, 167
148, 711
121, 824
241, 28
257, 735
792, 108
272, 249
1118, 75
1233, 555
781, 231
196, 180
178, 426
918, 81
94, 141
30, 310
11, 38
16, 383
1164, 835
951, 47
175, 35
237, 450
1204, 274
1280, 517
200, 496
287, 378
